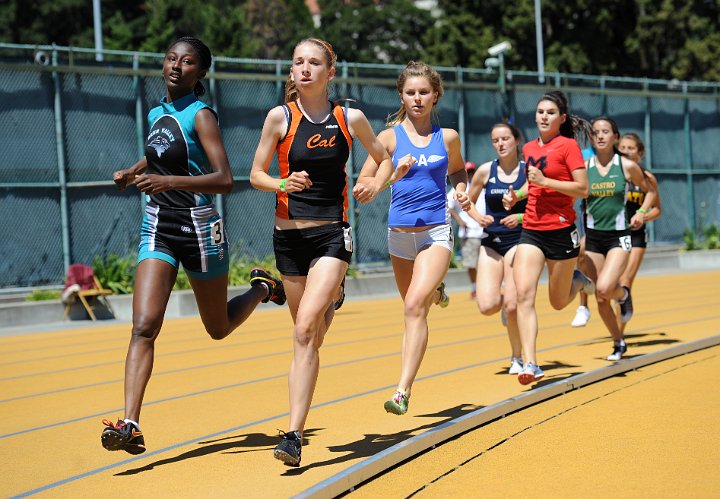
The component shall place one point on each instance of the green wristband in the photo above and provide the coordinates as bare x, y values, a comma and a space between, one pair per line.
282, 185
642, 210
520, 217
388, 183
519, 193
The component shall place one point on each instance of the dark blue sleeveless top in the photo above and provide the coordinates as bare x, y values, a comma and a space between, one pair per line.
495, 189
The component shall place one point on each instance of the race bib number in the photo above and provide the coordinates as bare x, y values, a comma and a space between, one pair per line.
575, 237
217, 234
347, 238
626, 243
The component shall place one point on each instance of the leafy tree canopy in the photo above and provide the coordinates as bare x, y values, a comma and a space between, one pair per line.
643, 38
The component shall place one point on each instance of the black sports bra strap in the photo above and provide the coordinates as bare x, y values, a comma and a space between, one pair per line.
288, 119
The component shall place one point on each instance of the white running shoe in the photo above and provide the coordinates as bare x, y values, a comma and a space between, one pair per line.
582, 316
530, 372
516, 365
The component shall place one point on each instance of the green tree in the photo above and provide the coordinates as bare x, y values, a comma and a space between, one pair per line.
276, 26
462, 35
579, 36
64, 22
374, 31
642, 38
222, 25
676, 39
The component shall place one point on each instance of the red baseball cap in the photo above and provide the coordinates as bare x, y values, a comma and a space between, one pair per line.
469, 165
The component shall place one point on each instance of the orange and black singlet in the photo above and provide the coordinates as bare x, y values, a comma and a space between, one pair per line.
320, 149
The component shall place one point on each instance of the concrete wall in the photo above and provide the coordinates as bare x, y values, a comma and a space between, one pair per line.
182, 303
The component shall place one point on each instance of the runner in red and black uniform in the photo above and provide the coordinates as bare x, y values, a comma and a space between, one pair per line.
556, 175
313, 241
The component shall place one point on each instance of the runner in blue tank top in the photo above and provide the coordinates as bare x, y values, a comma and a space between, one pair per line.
420, 240
418, 200
502, 232
185, 165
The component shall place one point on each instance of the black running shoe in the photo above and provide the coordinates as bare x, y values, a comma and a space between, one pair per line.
618, 350
122, 436
276, 291
289, 449
626, 307
341, 300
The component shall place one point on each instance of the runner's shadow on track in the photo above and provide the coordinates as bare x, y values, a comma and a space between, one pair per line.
636, 336
372, 443
236, 444
648, 343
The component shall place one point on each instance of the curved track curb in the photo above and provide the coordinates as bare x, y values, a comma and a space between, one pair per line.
348, 479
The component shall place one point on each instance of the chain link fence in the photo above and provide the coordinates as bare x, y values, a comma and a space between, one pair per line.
67, 122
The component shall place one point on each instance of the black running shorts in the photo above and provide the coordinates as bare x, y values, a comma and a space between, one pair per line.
558, 244
295, 249
639, 238
501, 242
602, 241
194, 237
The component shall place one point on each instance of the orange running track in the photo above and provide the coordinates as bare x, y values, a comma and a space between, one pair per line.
212, 409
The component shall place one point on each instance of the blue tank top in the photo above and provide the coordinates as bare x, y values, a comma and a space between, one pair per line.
419, 198
495, 189
172, 147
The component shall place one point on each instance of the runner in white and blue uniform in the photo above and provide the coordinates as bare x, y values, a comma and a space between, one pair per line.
496, 179
185, 165
499, 237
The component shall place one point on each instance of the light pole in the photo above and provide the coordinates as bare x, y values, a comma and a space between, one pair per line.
539, 43
97, 25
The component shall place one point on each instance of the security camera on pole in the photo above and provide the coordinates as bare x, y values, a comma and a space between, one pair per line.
498, 60
498, 51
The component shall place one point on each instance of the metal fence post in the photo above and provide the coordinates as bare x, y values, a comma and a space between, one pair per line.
350, 167
60, 148
278, 82
688, 158
647, 130
461, 112
219, 198
139, 118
